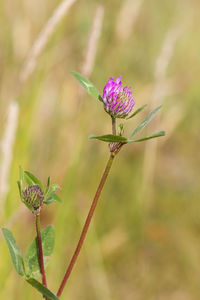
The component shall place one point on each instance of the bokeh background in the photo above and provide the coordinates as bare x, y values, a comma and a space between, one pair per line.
144, 242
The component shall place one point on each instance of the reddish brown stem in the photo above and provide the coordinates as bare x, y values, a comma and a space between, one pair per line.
39, 241
86, 225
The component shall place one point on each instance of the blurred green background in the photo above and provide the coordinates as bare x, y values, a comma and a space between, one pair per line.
144, 242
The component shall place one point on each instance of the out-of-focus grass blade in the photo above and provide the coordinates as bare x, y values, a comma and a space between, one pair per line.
14, 251
137, 111
155, 135
42, 289
88, 86
145, 122
109, 138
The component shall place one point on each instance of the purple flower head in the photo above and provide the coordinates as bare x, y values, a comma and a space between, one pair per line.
118, 101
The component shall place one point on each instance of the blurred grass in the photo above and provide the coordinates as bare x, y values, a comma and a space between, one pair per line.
138, 253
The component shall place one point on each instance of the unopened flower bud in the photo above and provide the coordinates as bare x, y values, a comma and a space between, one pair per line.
33, 196
118, 101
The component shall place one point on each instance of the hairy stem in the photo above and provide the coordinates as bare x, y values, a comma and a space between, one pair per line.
86, 225
39, 242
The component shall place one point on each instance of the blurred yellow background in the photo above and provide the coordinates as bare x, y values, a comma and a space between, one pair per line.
144, 242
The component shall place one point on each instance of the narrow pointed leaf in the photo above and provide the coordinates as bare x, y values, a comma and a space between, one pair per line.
14, 251
19, 187
31, 259
20, 181
137, 111
145, 122
109, 138
42, 289
21, 176
88, 86
32, 180
155, 135
47, 186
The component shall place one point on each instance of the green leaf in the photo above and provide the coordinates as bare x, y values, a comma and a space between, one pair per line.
109, 138
42, 289
53, 198
32, 180
21, 176
145, 122
28, 206
20, 188
14, 251
51, 195
88, 86
137, 111
31, 259
53, 188
155, 135
47, 186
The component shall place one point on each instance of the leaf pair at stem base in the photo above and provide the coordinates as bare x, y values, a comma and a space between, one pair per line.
30, 268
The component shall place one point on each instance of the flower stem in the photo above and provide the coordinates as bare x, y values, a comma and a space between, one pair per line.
39, 241
113, 125
86, 225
